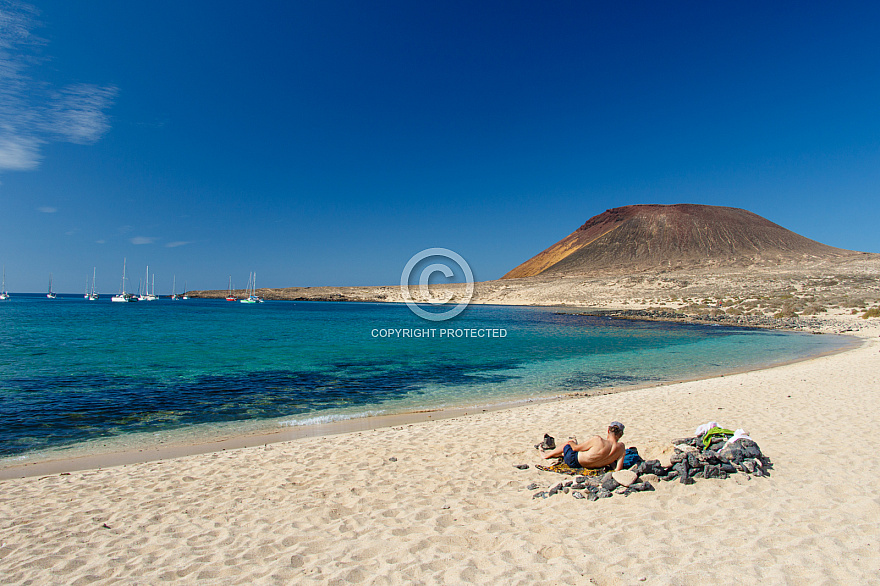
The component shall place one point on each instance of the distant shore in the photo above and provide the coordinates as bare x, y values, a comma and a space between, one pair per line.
787, 297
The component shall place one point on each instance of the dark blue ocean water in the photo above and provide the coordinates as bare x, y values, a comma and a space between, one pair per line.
76, 371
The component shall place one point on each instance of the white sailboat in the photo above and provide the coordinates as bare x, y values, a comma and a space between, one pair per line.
146, 295
184, 296
123, 296
4, 294
50, 294
93, 295
252, 290
174, 295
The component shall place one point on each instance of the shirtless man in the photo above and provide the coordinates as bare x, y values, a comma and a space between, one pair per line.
595, 452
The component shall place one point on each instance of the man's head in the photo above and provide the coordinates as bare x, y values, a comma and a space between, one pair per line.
616, 429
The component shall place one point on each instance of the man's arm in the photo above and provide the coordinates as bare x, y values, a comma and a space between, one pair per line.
620, 460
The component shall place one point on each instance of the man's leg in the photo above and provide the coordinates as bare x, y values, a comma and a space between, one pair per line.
558, 451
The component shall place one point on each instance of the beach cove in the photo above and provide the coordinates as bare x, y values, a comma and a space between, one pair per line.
441, 501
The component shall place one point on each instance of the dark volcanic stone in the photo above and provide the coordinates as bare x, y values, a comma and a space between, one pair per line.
591, 496
672, 475
728, 468
682, 469
603, 494
677, 456
539, 495
709, 456
532, 486
687, 480
693, 460
522, 466
577, 495
749, 466
608, 483
712, 471
688, 441
731, 454
578, 486
569, 483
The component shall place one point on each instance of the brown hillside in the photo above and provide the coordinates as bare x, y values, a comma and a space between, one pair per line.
645, 237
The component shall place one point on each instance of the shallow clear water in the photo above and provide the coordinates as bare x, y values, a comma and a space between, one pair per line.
73, 370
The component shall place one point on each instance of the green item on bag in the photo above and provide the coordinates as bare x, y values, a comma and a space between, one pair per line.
716, 431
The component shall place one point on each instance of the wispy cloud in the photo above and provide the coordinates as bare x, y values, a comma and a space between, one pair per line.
32, 113
142, 240
177, 243
47, 209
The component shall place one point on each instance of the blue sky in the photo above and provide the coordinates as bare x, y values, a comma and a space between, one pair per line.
325, 143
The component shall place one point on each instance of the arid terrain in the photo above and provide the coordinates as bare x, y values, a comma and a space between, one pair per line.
668, 262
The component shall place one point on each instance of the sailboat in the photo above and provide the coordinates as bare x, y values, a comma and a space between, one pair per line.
252, 290
50, 294
229, 295
92, 295
184, 296
123, 296
4, 294
146, 295
174, 296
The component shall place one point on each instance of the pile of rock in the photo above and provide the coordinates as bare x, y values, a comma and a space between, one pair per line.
690, 461
593, 488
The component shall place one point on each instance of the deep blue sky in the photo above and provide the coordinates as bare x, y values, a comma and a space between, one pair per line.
325, 143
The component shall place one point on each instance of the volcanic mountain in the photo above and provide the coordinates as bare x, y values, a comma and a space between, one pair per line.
649, 237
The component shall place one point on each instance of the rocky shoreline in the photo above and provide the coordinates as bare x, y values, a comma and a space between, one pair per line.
800, 324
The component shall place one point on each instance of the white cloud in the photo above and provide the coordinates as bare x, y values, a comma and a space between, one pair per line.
77, 114
143, 240
47, 209
100, 241
18, 153
32, 113
178, 243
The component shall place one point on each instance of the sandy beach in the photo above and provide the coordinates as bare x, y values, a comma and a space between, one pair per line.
441, 501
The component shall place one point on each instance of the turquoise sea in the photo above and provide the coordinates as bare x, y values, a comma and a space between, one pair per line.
74, 371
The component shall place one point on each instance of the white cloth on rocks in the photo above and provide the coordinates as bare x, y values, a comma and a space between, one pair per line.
701, 431
738, 434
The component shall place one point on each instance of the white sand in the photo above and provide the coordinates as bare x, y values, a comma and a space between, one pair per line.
453, 509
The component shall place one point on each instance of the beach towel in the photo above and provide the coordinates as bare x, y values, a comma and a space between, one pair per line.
563, 468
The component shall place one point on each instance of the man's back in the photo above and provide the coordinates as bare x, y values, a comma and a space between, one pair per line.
597, 452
